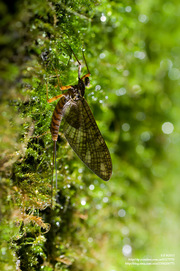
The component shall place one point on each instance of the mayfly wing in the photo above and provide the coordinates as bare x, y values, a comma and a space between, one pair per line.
83, 135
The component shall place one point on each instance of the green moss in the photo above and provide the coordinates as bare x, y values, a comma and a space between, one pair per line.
132, 53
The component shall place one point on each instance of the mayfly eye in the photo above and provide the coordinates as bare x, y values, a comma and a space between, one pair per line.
87, 81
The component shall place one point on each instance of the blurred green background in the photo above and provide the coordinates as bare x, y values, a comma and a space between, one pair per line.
132, 50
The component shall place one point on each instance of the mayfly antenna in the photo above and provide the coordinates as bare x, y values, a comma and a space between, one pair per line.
79, 68
85, 61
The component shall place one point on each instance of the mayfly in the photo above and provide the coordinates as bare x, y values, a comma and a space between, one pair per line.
80, 128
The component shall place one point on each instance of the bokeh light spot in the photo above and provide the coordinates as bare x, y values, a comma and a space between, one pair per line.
105, 199
140, 149
143, 18
97, 87
125, 73
121, 213
167, 128
125, 127
83, 202
174, 74
145, 136
103, 18
125, 230
102, 55
128, 9
90, 239
120, 91
140, 116
91, 187
127, 250
140, 55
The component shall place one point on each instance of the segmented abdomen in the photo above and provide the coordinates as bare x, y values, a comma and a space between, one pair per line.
56, 118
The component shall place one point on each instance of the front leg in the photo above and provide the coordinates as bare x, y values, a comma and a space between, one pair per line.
58, 96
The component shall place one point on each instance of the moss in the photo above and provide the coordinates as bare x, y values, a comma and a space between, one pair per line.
131, 95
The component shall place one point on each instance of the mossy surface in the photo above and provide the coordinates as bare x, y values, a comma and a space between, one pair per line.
132, 51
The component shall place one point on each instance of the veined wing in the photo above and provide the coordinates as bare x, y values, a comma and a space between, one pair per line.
83, 135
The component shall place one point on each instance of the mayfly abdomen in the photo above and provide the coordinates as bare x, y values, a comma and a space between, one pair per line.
57, 117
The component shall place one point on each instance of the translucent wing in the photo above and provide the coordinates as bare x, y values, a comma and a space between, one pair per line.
83, 135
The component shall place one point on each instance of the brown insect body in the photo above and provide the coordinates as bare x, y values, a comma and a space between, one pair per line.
80, 128
73, 93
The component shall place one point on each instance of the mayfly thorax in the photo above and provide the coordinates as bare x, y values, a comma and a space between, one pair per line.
80, 128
